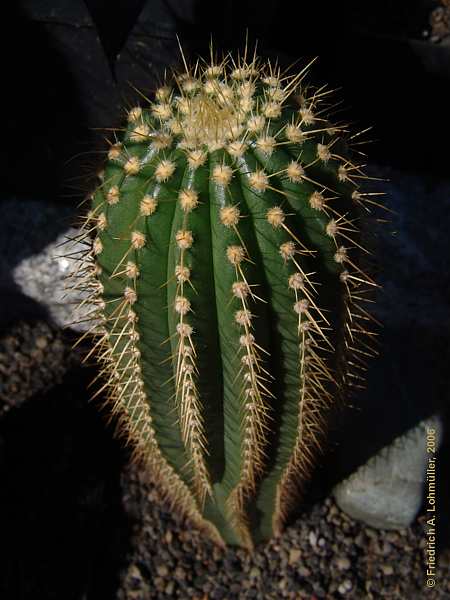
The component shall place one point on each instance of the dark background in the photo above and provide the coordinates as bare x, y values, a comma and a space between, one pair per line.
59, 79
66, 70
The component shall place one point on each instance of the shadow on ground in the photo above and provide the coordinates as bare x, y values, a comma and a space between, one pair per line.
64, 533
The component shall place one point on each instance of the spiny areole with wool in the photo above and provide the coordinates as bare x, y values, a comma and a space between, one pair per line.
224, 262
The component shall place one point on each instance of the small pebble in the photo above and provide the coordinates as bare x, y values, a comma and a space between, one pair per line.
392, 537
387, 569
41, 342
343, 563
345, 586
169, 588
162, 570
304, 571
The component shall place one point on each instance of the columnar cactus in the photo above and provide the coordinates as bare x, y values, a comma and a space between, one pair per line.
224, 264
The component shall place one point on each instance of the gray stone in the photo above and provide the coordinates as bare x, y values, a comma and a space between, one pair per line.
45, 277
33, 258
387, 492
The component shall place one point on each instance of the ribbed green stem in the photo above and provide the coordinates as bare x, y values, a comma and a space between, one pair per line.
225, 271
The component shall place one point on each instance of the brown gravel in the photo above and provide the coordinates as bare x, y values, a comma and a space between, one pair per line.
33, 358
440, 22
325, 554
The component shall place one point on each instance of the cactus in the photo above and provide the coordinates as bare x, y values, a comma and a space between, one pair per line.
224, 263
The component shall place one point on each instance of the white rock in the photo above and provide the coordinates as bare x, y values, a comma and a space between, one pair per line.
45, 277
387, 492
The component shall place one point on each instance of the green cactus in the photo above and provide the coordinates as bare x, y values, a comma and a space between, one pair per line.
226, 275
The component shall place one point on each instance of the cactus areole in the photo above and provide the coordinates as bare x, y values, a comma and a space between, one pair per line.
224, 263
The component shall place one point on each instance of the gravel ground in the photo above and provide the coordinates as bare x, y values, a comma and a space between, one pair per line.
140, 550
33, 358
440, 23
324, 554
